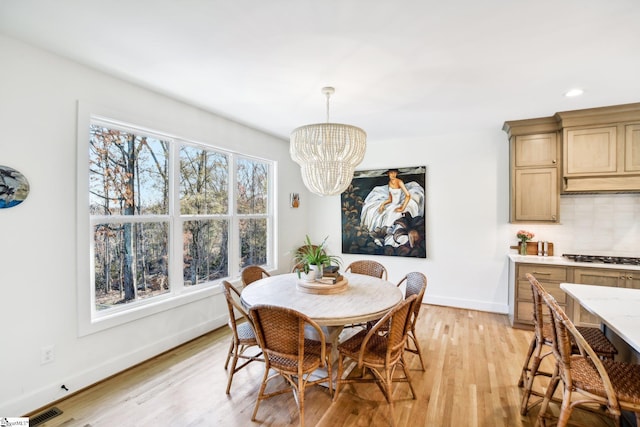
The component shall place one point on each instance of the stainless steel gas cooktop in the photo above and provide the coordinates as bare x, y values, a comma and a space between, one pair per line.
603, 259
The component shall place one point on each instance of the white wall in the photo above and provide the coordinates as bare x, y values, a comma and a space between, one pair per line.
38, 96
467, 213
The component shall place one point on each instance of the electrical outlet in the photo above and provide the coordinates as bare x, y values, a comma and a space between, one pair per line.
47, 354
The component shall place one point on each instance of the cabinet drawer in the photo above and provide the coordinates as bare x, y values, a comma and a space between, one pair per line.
542, 272
524, 291
524, 312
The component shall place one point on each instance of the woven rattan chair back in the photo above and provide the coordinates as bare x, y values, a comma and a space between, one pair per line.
243, 335
252, 273
415, 284
380, 350
542, 342
593, 375
539, 348
399, 326
370, 268
302, 249
281, 334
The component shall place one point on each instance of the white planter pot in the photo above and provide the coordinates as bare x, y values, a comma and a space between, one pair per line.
308, 277
317, 269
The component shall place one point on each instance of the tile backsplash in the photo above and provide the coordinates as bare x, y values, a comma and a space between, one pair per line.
606, 224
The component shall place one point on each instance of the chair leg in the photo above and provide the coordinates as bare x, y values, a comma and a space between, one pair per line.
525, 367
553, 384
231, 348
565, 409
338, 378
329, 376
536, 355
263, 386
526, 394
232, 371
301, 384
413, 337
406, 375
388, 393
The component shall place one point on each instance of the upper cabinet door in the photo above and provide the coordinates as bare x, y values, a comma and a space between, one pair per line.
632, 148
589, 151
535, 195
536, 150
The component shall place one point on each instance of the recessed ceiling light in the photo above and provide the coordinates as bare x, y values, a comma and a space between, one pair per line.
574, 92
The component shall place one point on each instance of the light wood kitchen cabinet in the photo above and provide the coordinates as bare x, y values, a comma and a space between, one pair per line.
590, 151
535, 195
601, 277
601, 149
632, 148
549, 277
539, 150
534, 172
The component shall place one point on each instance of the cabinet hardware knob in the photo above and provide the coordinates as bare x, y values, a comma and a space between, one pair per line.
554, 161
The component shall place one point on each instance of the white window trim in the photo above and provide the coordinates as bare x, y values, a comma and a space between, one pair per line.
88, 321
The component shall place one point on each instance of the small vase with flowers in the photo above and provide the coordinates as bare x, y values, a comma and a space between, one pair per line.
524, 236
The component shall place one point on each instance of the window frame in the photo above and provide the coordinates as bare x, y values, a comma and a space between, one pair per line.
90, 320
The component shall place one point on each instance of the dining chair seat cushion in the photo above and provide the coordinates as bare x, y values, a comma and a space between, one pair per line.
313, 351
375, 352
597, 340
625, 378
246, 334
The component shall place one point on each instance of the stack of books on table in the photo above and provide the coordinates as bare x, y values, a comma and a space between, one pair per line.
331, 275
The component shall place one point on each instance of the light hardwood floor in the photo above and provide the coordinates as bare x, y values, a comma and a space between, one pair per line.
473, 360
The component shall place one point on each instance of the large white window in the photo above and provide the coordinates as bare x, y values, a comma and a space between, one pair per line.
167, 219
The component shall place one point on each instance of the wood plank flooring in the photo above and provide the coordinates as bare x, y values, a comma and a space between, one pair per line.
473, 360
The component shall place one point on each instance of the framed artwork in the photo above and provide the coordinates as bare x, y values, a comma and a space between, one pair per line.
383, 213
14, 187
294, 200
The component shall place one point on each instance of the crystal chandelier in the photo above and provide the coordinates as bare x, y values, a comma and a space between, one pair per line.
327, 153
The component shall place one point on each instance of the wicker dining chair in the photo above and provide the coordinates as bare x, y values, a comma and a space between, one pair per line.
251, 273
281, 334
243, 336
370, 268
543, 338
614, 386
416, 284
380, 353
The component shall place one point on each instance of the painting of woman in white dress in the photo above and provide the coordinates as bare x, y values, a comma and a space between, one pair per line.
389, 205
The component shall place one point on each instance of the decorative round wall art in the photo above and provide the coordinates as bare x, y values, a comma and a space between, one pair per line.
14, 187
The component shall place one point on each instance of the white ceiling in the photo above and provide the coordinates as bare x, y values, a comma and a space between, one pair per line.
401, 69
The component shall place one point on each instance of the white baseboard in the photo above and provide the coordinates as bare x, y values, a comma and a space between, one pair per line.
468, 304
34, 399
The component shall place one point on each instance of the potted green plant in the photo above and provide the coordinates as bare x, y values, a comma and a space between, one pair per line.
310, 257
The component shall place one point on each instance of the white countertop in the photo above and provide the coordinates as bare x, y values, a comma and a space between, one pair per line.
618, 308
559, 260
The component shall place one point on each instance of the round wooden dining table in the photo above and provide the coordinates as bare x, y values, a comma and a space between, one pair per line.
366, 298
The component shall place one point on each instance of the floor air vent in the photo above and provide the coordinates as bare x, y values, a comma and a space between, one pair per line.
44, 416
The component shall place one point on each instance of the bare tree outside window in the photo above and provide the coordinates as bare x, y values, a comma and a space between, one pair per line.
204, 196
151, 196
128, 180
252, 179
